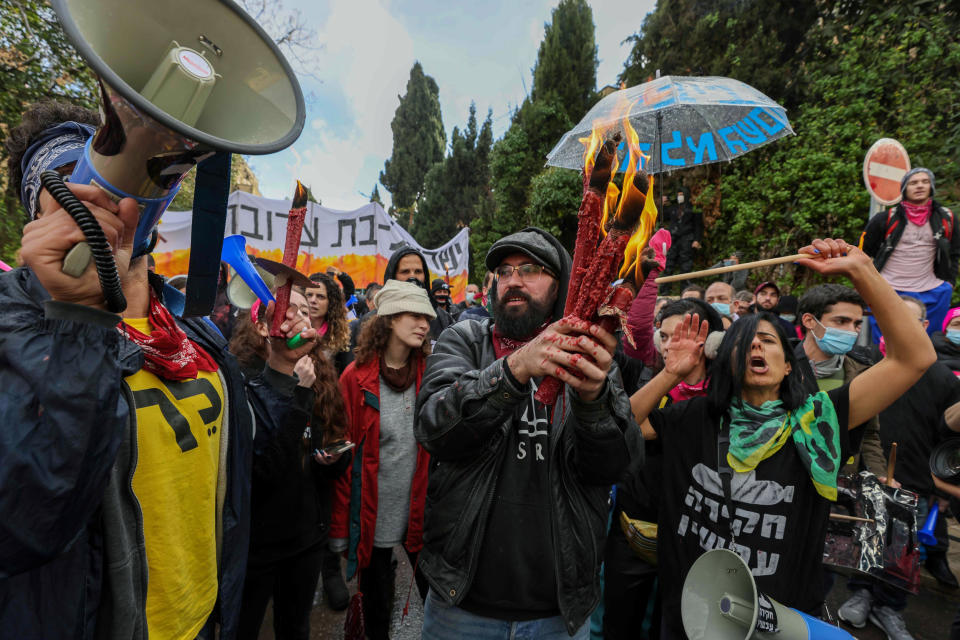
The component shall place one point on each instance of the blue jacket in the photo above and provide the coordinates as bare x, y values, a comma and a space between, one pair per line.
72, 556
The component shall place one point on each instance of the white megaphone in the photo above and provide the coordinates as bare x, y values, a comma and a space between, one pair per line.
720, 601
181, 81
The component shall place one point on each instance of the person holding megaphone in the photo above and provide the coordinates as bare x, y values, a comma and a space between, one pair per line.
753, 466
125, 439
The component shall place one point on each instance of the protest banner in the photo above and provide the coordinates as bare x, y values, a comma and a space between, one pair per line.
359, 242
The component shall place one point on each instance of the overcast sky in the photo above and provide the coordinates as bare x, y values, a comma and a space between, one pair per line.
476, 51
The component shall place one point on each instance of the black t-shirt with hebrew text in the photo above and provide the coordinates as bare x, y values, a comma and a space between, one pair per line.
780, 520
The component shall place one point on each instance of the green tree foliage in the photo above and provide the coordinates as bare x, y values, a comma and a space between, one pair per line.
375, 195
36, 62
566, 68
870, 75
755, 42
456, 190
418, 143
564, 81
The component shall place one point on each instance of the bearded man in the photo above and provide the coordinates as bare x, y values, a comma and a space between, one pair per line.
516, 512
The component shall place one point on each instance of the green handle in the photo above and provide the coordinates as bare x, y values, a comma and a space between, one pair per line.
295, 341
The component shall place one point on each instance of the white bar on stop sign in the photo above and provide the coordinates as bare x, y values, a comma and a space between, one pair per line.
886, 171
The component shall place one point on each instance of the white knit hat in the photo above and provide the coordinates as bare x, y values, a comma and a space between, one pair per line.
403, 297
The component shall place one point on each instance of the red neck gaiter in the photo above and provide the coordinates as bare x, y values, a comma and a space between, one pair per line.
504, 346
684, 391
168, 352
918, 214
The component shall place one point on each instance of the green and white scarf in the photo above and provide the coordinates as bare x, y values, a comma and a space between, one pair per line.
756, 433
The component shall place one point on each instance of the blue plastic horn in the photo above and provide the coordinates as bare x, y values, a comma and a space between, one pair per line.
235, 254
926, 535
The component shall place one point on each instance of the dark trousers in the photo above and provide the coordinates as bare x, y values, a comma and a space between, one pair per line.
330, 563
377, 582
291, 583
631, 595
679, 260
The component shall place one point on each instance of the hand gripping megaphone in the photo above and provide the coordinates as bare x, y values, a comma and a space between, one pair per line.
182, 82
720, 601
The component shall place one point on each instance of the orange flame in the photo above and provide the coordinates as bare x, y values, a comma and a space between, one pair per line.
299, 196
617, 203
640, 238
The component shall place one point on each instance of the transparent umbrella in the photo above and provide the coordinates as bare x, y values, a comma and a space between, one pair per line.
682, 122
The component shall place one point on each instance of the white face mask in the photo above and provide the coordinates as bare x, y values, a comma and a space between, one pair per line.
680, 198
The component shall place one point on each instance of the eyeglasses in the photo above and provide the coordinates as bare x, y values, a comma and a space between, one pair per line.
528, 272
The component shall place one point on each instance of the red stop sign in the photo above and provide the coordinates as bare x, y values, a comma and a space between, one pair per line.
884, 166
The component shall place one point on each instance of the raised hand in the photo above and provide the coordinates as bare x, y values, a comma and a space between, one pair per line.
686, 346
831, 256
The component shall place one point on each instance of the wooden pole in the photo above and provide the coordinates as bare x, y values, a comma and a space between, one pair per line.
840, 516
891, 463
733, 267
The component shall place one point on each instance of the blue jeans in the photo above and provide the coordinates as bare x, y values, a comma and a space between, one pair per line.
442, 621
937, 302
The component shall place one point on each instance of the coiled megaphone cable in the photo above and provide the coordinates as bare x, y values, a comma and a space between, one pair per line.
99, 247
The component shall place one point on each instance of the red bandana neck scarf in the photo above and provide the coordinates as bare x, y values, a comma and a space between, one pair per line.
168, 352
504, 346
918, 214
684, 391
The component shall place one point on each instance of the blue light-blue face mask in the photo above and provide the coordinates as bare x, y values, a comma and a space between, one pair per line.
835, 342
721, 307
953, 335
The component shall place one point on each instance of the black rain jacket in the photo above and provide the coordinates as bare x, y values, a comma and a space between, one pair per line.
879, 245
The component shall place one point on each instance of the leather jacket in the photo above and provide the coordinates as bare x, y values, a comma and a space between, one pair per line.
466, 408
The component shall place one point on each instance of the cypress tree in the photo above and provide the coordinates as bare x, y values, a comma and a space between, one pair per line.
566, 68
418, 143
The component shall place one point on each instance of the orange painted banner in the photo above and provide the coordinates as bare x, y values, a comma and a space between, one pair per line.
358, 242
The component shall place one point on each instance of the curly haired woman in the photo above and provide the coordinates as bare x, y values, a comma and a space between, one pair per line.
328, 314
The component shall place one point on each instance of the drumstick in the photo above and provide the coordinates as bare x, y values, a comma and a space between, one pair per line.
733, 267
891, 463
840, 516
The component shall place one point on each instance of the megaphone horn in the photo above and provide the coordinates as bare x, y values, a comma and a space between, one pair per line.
180, 81
253, 282
720, 601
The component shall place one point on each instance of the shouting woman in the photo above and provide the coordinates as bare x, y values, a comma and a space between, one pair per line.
753, 466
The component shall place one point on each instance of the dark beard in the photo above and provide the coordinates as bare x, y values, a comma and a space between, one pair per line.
519, 324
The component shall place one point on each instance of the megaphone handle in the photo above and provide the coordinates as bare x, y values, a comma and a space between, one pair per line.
96, 246
77, 260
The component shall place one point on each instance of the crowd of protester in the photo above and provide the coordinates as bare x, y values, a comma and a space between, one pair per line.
169, 477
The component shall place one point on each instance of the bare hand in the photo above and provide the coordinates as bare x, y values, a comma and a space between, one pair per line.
324, 458
686, 346
834, 257
281, 358
695, 244
893, 483
47, 240
568, 345
305, 371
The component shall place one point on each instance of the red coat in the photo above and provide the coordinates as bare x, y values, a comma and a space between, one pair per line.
355, 492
